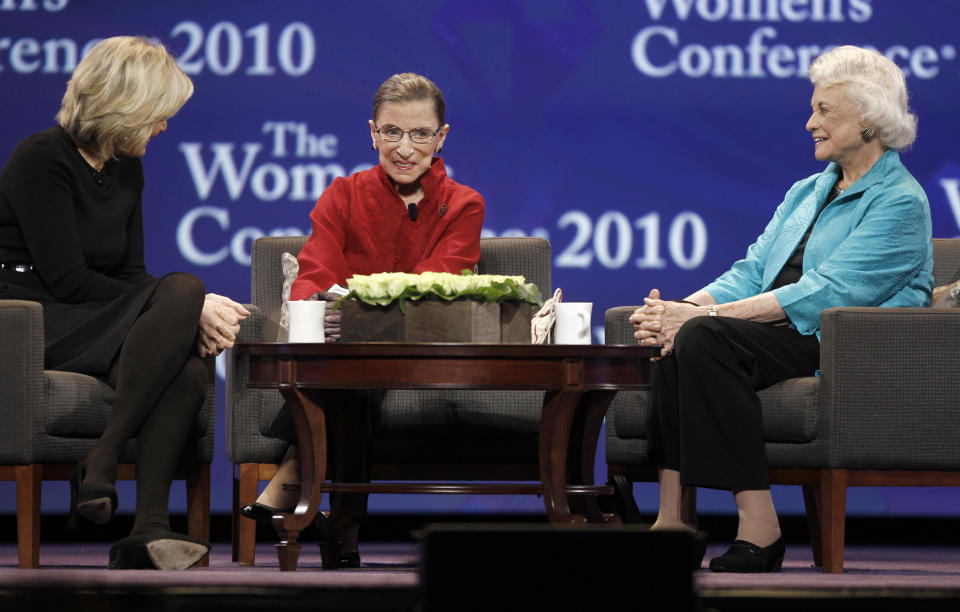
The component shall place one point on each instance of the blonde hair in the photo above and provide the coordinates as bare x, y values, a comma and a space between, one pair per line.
118, 92
876, 86
409, 87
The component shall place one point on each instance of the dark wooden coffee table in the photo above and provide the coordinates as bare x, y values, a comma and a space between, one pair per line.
319, 383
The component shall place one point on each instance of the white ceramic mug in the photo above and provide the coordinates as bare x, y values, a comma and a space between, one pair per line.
306, 320
573, 323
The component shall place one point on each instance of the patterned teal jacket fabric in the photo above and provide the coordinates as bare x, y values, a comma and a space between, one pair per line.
870, 247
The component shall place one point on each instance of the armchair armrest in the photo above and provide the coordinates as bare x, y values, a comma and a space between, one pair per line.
618, 328
248, 409
251, 328
889, 387
21, 377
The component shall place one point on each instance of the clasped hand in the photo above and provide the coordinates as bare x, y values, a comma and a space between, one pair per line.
331, 317
219, 324
658, 321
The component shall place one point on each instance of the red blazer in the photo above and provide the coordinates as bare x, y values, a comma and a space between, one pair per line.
360, 227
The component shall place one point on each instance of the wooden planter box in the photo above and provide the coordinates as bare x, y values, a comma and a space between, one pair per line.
437, 321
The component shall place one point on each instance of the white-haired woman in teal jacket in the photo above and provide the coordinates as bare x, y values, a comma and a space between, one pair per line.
856, 234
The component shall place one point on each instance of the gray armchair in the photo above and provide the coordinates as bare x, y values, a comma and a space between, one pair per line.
883, 411
417, 435
49, 420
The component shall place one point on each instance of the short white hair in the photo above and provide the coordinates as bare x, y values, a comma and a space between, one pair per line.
876, 86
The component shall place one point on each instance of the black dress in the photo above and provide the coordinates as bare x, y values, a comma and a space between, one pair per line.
82, 231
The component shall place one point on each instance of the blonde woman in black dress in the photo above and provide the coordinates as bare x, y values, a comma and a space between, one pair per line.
71, 238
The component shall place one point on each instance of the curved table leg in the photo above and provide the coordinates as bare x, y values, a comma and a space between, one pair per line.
556, 422
592, 409
570, 427
309, 418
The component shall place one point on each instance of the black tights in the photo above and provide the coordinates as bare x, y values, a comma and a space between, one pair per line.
160, 385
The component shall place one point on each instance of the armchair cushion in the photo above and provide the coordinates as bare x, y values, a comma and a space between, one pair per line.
789, 407
77, 405
52, 416
790, 410
466, 414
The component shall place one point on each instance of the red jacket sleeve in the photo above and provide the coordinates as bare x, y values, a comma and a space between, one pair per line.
322, 261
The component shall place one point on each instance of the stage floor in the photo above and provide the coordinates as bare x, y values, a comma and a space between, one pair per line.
73, 576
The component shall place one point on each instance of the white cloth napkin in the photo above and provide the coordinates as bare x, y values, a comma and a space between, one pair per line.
541, 326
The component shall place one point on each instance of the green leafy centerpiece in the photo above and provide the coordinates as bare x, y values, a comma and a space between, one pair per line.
388, 288
438, 307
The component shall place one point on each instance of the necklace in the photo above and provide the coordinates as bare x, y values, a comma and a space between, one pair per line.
837, 188
96, 167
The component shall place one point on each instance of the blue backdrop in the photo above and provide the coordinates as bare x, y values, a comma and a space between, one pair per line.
650, 141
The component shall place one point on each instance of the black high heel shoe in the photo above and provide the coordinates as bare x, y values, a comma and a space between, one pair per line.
95, 502
262, 513
163, 550
746, 557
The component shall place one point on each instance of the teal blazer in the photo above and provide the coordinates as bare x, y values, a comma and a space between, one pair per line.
872, 246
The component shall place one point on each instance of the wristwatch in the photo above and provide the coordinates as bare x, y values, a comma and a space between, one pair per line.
711, 310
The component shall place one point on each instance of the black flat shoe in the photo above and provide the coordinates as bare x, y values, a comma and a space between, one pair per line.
95, 502
333, 558
349, 560
261, 512
164, 550
746, 557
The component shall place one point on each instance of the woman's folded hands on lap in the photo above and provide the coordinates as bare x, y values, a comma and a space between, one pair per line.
219, 324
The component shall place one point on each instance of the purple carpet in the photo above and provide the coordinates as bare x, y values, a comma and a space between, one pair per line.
928, 574
385, 565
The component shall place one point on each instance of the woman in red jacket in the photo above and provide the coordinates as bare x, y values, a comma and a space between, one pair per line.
403, 215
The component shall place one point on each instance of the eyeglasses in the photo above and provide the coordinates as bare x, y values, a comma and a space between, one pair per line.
392, 133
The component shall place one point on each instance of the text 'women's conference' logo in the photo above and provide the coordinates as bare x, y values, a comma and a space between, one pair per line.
295, 168
951, 189
661, 50
290, 164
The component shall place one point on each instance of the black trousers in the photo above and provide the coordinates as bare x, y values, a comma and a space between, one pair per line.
705, 419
